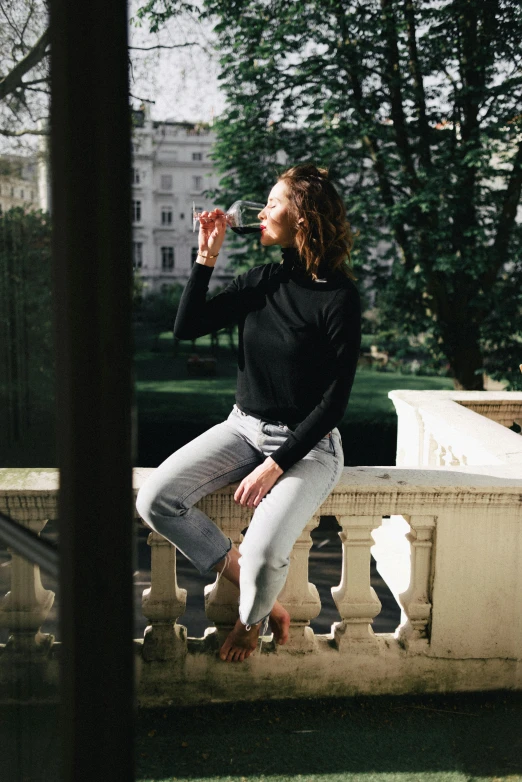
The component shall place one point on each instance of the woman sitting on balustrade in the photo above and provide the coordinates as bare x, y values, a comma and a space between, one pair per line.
299, 340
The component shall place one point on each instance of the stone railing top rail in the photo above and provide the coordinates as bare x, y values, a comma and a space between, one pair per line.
467, 398
471, 416
28, 493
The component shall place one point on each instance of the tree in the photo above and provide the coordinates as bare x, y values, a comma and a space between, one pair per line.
24, 68
415, 107
26, 337
156, 311
25, 63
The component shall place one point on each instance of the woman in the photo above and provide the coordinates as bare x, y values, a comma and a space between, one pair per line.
299, 339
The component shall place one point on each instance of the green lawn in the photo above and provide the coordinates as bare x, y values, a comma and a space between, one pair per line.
173, 407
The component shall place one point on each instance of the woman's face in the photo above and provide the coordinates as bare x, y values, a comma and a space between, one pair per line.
277, 226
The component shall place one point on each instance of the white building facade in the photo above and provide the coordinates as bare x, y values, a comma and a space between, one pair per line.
171, 170
19, 185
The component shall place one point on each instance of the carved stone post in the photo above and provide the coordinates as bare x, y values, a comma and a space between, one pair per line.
162, 603
355, 599
416, 600
222, 597
299, 596
26, 606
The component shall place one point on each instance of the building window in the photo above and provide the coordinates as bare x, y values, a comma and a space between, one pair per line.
22, 194
197, 182
136, 211
193, 255
32, 194
166, 182
137, 255
166, 215
167, 258
197, 156
182, 216
135, 176
12, 192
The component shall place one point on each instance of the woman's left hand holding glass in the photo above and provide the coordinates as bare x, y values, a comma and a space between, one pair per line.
258, 483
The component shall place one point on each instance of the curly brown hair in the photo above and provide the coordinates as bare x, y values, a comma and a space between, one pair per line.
323, 233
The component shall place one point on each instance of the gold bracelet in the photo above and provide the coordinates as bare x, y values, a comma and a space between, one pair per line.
207, 256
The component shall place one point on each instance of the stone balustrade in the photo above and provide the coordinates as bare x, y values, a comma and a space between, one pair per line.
447, 541
457, 428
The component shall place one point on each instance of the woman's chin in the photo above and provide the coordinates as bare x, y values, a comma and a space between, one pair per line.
268, 241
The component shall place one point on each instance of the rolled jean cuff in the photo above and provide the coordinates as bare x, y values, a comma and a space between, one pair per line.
248, 625
209, 570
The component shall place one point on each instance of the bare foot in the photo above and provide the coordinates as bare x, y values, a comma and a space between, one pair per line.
240, 643
279, 623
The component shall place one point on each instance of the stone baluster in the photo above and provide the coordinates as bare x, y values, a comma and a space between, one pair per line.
162, 603
26, 606
222, 597
299, 596
355, 599
416, 600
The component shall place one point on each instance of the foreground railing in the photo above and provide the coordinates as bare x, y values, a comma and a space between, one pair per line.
450, 549
458, 428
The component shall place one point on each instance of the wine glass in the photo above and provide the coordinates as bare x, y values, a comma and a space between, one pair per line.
242, 217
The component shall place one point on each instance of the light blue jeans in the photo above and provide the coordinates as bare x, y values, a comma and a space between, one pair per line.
225, 454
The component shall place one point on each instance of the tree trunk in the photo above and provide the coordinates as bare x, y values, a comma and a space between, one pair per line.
465, 361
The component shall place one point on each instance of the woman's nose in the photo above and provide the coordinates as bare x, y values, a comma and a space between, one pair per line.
261, 215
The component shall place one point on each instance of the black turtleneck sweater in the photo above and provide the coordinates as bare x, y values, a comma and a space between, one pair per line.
299, 342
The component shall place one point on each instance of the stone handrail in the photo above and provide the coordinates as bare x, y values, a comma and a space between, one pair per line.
457, 428
449, 546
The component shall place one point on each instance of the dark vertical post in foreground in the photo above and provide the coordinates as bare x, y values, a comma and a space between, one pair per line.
90, 154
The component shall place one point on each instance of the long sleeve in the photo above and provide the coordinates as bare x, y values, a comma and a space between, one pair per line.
198, 316
344, 335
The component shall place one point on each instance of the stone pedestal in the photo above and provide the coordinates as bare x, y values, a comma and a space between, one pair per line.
26, 606
299, 596
355, 599
163, 603
416, 600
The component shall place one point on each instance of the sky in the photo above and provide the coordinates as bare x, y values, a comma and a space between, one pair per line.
182, 82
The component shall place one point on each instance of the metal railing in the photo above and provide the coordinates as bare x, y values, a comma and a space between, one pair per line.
29, 545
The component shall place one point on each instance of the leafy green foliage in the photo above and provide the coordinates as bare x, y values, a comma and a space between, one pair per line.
157, 310
157, 12
26, 332
415, 108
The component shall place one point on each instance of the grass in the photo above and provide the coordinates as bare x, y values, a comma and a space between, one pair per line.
439, 738
466, 737
174, 407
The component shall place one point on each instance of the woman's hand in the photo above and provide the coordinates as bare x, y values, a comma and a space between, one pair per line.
212, 227
256, 484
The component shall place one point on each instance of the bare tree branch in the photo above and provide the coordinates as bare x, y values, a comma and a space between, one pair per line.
14, 78
25, 132
38, 89
144, 100
162, 46
9, 21
34, 81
